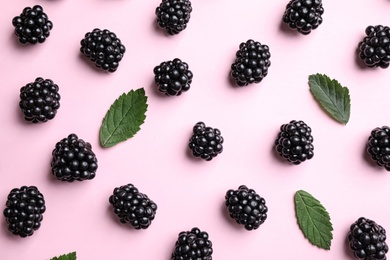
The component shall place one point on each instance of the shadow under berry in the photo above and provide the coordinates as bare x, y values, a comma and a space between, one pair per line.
92, 65
229, 220
285, 29
347, 251
367, 157
111, 214
359, 62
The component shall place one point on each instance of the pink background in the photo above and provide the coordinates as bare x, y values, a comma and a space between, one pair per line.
190, 192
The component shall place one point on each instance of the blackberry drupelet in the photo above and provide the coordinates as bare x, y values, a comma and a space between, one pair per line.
303, 15
295, 142
246, 207
193, 245
32, 25
378, 146
24, 210
73, 160
374, 49
104, 48
206, 142
367, 240
251, 64
39, 100
173, 77
174, 15
133, 207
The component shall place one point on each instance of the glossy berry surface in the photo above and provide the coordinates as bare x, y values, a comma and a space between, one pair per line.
193, 245
174, 15
24, 210
295, 142
378, 146
367, 240
103, 48
133, 207
32, 25
303, 15
374, 49
73, 160
251, 63
246, 207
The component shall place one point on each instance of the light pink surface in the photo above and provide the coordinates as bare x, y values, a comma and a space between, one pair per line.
190, 192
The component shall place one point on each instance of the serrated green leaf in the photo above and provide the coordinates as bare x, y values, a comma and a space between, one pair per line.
124, 118
70, 256
333, 97
313, 220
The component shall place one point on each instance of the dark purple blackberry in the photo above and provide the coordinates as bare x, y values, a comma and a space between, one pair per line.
193, 245
24, 210
73, 160
251, 64
133, 207
104, 48
303, 15
32, 25
367, 240
173, 15
39, 100
173, 77
206, 142
295, 142
374, 50
246, 207
378, 146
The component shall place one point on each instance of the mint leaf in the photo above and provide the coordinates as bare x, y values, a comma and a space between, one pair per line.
124, 118
70, 256
313, 219
332, 97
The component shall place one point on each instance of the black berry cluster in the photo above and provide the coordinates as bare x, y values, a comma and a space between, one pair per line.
303, 15
32, 25
367, 240
73, 160
104, 48
24, 210
173, 77
193, 245
378, 146
174, 15
133, 207
374, 49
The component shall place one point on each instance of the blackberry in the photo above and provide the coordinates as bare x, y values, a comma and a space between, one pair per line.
246, 207
104, 48
173, 77
374, 49
295, 142
367, 240
303, 15
193, 245
32, 25
133, 207
73, 160
251, 64
174, 15
378, 146
24, 210
206, 142
39, 100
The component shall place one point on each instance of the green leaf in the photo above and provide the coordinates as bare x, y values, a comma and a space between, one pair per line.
333, 97
70, 256
313, 220
124, 118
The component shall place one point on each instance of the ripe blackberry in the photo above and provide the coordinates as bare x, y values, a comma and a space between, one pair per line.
32, 25
104, 48
378, 146
246, 207
173, 77
374, 49
206, 142
24, 210
73, 160
39, 100
303, 15
173, 15
295, 142
367, 240
191, 245
133, 207
251, 64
